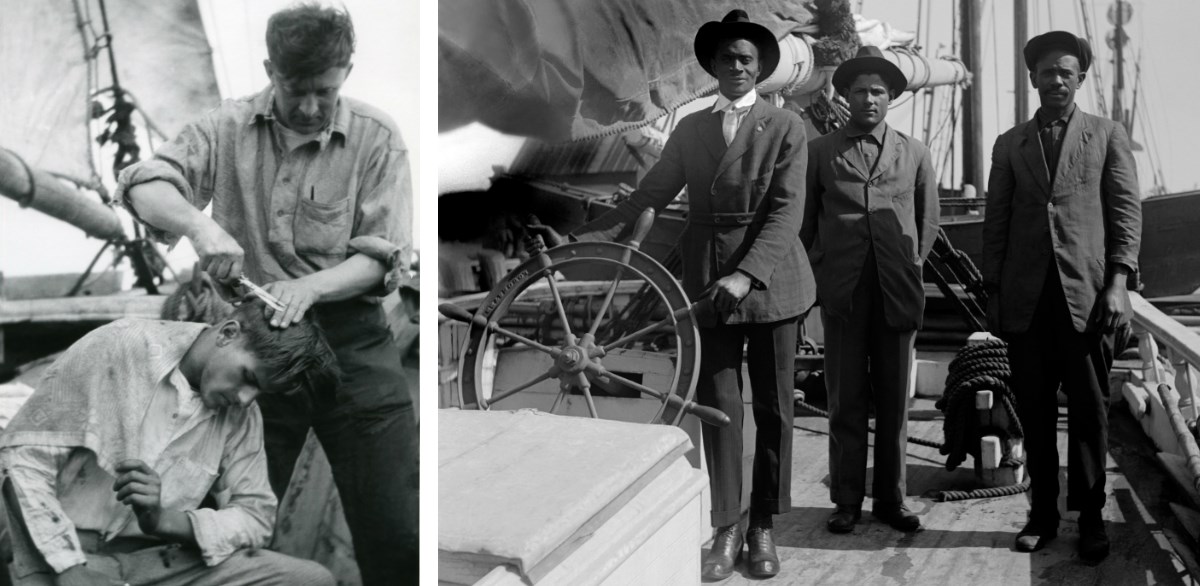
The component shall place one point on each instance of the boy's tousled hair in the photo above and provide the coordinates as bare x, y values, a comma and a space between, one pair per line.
298, 357
306, 39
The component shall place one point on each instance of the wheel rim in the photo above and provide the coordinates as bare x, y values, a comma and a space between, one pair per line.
576, 359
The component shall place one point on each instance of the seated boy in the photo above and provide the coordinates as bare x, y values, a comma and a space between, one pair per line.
129, 431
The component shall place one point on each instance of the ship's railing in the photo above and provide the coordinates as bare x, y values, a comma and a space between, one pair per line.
1161, 394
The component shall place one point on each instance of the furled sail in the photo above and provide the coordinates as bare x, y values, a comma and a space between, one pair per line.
572, 69
49, 60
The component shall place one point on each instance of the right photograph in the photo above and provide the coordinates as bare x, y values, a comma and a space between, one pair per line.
816, 292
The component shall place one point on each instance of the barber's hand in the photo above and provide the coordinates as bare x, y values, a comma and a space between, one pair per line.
82, 575
549, 235
729, 291
139, 486
220, 255
1112, 308
296, 296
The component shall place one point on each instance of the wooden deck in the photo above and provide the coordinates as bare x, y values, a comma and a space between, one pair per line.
971, 542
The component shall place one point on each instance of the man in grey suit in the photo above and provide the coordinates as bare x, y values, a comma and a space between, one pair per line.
870, 221
743, 163
1062, 233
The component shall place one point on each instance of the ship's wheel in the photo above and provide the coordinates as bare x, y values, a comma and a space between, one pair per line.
577, 344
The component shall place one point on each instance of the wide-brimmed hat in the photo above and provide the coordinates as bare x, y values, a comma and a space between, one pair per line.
870, 60
1062, 40
736, 25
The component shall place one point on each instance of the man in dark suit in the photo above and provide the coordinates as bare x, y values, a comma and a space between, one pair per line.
1062, 232
742, 162
870, 220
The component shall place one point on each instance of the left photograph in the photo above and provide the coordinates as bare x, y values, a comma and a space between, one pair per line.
209, 292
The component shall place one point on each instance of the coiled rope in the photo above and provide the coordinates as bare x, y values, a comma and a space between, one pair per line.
979, 367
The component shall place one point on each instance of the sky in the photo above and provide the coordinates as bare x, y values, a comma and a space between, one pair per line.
385, 74
1163, 31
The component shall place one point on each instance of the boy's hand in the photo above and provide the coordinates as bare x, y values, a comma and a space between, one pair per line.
139, 486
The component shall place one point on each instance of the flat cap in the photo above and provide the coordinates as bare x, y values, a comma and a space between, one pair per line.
1061, 40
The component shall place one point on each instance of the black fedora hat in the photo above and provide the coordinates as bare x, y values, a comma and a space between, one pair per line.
870, 60
736, 25
1062, 40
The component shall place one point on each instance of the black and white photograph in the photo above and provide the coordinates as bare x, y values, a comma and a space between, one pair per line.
816, 292
209, 290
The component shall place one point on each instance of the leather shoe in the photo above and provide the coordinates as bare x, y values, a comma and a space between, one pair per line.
1093, 540
726, 549
897, 515
1036, 534
843, 518
764, 561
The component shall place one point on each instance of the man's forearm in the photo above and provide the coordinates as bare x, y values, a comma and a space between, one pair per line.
354, 276
1118, 275
161, 205
176, 527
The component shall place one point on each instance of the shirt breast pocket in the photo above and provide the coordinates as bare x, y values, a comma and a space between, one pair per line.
186, 484
322, 228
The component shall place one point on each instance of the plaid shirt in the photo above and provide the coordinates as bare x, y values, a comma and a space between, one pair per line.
293, 211
62, 486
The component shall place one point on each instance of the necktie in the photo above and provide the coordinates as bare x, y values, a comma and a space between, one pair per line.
733, 119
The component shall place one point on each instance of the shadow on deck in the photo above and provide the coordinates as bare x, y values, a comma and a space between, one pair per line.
971, 542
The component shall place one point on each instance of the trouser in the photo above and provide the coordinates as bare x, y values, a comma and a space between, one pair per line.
152, 563
771, 359
1051, 353
866, 362
369, 433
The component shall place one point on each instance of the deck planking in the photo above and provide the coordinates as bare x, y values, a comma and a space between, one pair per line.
971, 542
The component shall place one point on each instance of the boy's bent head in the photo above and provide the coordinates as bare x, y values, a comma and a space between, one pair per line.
234, 361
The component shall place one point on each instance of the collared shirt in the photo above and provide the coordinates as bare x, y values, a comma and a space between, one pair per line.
1051, 133
294, 211
868, 144
195, 451
738, 108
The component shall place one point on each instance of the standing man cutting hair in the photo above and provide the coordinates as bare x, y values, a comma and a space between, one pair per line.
310, 194
870, 221
1061, 234
743, 165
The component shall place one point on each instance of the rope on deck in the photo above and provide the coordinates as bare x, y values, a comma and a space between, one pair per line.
982, 493
870, 428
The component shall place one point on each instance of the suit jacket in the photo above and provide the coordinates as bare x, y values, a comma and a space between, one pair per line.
745, 202
1088, 218
850, 208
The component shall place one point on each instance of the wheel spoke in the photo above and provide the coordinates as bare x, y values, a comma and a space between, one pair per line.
587, 397
553, 372
662, 325
496, 328
597, 370
608, 297
547, 265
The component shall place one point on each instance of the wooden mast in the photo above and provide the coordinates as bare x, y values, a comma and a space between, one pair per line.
972, 121
1020, 72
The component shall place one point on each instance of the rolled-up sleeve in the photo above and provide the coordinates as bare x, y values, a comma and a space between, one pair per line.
33, 471
185, 163
384, 214
246, 515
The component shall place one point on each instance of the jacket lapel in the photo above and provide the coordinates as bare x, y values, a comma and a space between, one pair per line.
711, 135
1031, 151
887, 156
1078, 130
751, 127
851, 155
